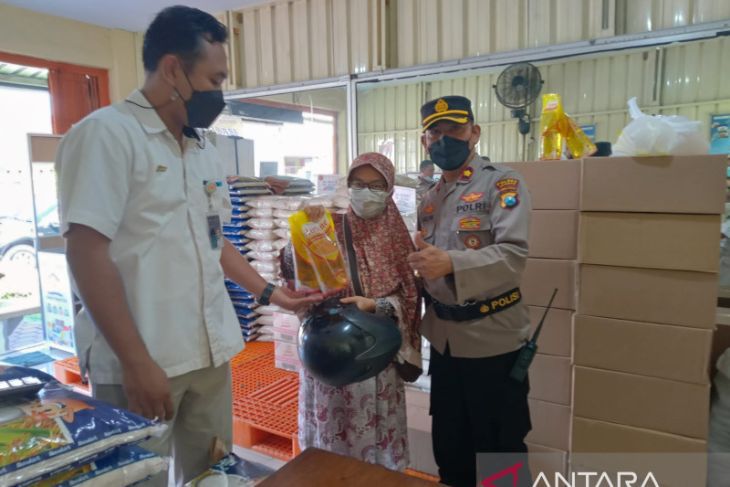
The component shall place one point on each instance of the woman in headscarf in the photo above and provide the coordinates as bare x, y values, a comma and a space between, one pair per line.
367, 420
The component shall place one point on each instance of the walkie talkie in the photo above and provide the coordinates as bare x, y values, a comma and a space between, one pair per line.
529, 349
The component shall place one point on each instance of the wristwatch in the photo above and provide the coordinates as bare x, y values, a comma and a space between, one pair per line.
265, 298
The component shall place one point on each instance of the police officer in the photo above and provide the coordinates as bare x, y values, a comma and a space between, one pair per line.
425, 178
472, 248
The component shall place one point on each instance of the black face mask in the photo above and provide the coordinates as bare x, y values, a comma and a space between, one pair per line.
449, 153
203, 107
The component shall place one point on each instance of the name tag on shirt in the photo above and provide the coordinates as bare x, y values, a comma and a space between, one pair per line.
215, 231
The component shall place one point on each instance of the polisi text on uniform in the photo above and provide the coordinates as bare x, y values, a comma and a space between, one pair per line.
501, 302
481, 207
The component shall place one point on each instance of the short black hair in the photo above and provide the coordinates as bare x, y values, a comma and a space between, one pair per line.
425, 164
180, 30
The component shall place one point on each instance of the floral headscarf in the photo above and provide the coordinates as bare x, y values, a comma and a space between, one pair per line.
382, 245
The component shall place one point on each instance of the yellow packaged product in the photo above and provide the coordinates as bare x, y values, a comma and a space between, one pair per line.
551, 139
318, 262
556, 126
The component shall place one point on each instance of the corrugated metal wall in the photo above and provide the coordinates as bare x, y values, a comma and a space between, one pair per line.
438, 30
634, 16
296, 40
689, 79
300, 40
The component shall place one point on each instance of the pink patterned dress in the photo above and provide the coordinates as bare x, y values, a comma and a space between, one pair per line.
367, 420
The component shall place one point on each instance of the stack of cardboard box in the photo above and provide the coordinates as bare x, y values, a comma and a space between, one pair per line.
632, 244
628, 372
649, 257
552, 263
285, 330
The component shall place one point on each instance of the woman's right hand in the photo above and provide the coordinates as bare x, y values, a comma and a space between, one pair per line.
363, 304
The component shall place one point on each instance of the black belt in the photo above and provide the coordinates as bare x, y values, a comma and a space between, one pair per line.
473, 310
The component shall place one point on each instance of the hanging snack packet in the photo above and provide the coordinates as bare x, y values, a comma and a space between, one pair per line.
318, 262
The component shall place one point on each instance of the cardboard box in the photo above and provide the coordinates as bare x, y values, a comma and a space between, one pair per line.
663, 351
289, 365
556, 337
675, 461
550, 425
553, 234
649, 295
286, 321
681, 184
281, 335
651, 240
551, 379
644, 402
553, 185
541, 276
592, 436
546, 460
286, 351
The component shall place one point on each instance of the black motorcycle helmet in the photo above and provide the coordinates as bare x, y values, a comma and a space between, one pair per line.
341, 345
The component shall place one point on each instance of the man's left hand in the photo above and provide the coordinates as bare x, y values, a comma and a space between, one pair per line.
430, 262
294, 300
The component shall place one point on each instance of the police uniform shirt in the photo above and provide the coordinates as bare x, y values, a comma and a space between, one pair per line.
482, 221
122, 173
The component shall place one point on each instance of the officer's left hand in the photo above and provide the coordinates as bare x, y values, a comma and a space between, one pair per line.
363, 304
430, 262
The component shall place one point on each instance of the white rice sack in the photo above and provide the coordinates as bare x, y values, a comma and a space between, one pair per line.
283, 233
260, 213
262, 202
283, 213
268, 276
265, 320
269, 311
327, 202
282, 223
74, 429
261, 223
289, 203
264, 256
262, 266
262, 246
231, 471
257, 234
281, 243
126, 465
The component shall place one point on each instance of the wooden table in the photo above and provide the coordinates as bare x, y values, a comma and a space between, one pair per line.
318, 468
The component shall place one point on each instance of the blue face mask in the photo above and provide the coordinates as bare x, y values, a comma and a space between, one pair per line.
449, 153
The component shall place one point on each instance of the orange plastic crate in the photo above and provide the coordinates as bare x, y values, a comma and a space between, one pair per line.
253, 350
67, 372
265, 406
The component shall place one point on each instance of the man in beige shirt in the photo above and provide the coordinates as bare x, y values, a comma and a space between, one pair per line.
472, 251
142, 199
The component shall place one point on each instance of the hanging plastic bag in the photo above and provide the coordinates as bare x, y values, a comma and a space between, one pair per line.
659, 135
318, 262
